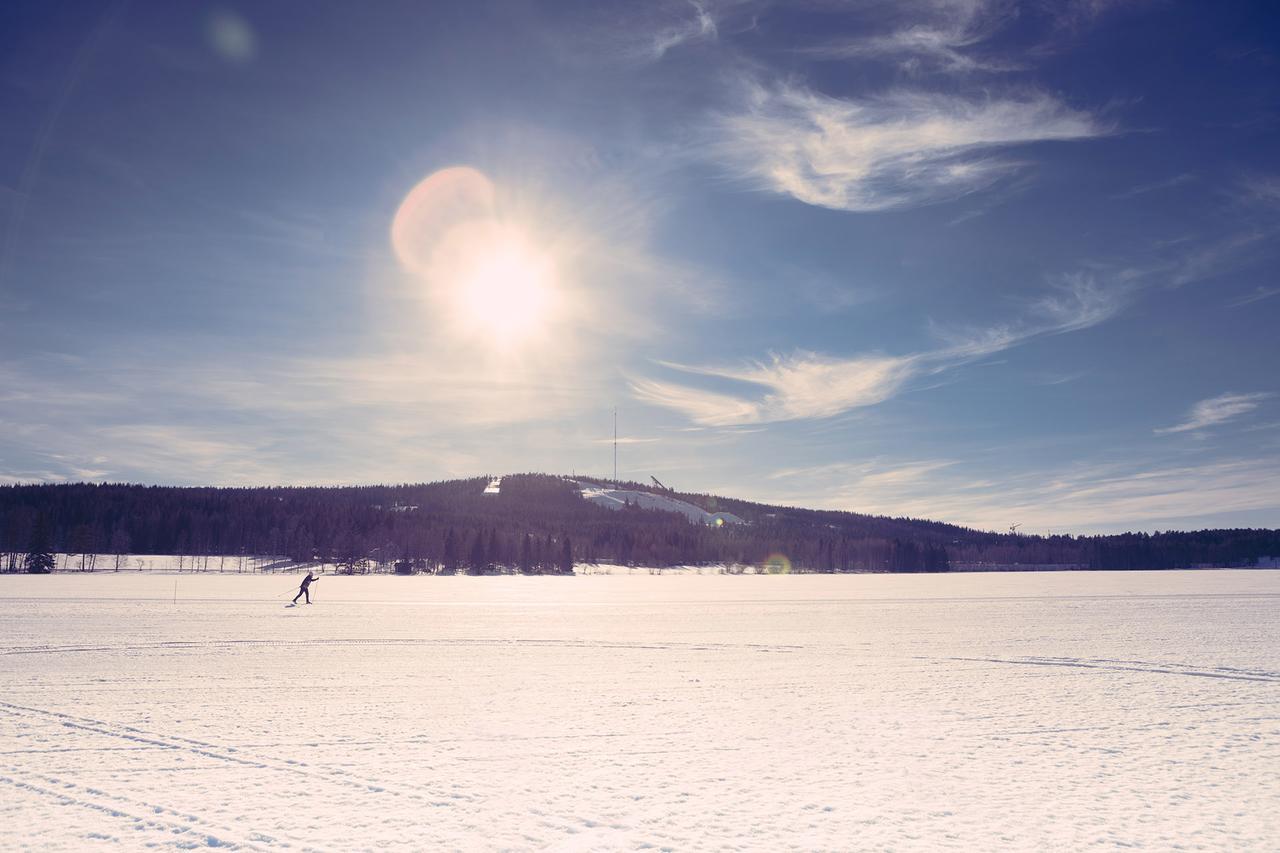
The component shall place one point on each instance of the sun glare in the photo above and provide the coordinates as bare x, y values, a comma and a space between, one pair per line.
503, 289
489, 279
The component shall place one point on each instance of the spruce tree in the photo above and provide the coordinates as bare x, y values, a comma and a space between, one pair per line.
477, 561
39, 559
494, 558
526, 557
450, 555
566, 558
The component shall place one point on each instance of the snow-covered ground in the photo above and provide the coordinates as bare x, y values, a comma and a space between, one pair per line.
619, 498
963, 712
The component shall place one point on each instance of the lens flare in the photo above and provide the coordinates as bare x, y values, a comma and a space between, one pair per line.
441, 202
777, 564
231, 37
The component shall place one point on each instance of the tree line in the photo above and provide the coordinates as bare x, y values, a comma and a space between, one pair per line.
536, 524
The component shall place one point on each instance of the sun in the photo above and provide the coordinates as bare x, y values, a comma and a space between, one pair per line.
491, 281
501, 286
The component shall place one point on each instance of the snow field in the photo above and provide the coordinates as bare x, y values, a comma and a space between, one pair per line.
1014, 711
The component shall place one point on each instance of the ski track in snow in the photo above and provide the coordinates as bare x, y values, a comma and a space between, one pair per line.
960, 712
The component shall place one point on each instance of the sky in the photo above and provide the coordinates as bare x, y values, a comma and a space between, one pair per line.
980, 261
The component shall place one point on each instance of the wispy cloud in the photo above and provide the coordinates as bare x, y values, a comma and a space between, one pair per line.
855, 476
958, 36
796, 386
1261, 427
1073, 302
1075, 14
1216, 258
388, 417
1215, 411
1058, 378
700, 24
898, 150
1142, 494
1078, 301
1262, 189
1258, 294
806, 385
937, 34
912, 472
1155, 186
827, 294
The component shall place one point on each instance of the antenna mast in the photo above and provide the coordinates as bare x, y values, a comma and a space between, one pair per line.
615, 444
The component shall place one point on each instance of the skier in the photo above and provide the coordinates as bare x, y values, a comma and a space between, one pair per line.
305, 589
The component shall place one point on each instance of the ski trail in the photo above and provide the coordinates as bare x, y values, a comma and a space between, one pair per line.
220, 753
196, 645
1225, 673
73, 795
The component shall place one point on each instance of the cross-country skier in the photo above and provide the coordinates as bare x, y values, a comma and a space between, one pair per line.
305, 589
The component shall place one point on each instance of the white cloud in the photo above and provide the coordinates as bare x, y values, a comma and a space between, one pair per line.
1078, 301
1074, 302
1076, 14
859, 477
1215, 258
406, 415
935, 34
955, 36
1216, 410
1155, 186
708, 408
807, 385
798, 386
1258, 294
1263, 190
898, 150
901, 475
1143, 494
699, 26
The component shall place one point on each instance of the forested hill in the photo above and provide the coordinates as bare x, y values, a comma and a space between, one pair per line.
541, 523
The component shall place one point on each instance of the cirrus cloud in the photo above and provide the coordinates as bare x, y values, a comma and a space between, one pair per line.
1215, 411
897, 150
797, 386
809, 386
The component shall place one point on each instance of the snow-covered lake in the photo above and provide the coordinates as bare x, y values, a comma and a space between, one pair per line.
965, 712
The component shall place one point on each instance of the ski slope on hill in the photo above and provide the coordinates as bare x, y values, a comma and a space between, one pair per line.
619, 498
809, 712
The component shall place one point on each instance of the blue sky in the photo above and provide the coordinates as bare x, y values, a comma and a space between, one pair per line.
980, 261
